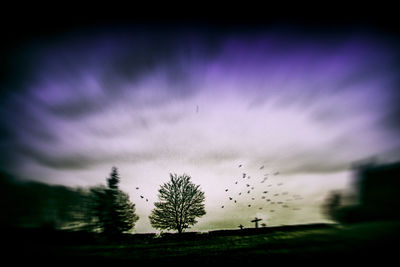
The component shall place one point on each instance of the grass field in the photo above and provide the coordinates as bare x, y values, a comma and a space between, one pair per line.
322, 245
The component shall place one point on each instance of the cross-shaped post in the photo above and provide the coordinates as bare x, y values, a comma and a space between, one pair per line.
256, 220
241, 227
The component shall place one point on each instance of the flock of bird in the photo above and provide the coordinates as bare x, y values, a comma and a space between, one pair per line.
247, 193
270, 196
141, 196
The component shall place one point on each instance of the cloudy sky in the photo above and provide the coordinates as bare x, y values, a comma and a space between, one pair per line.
151, 102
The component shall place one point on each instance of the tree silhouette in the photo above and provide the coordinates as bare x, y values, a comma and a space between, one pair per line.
114, 212
180, 202
332, 205
113, 180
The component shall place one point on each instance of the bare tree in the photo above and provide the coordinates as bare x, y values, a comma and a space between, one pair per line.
180, 203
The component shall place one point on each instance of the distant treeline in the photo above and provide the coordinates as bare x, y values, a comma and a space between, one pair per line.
36, 205
378, 193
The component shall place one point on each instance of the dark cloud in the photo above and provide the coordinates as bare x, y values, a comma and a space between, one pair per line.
77, 108
216, 157
114, 63
60, 162
23, 120
312, 165
78, 76
392, 118
136, 57
81, 159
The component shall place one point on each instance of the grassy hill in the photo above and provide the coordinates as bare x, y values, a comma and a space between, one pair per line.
312, 244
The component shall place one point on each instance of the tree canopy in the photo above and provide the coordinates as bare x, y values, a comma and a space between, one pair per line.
180, 203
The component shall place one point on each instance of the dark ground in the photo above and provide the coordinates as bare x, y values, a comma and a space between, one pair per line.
301, 245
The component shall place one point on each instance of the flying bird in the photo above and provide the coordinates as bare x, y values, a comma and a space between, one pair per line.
141, 196
147, 200
230, 198
222, 207
262, 167
137, 188
249, 206
226, 190
247, 185
236, 182
248, 192
265, 192
240, 165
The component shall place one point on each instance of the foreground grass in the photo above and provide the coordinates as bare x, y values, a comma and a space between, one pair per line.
377, 240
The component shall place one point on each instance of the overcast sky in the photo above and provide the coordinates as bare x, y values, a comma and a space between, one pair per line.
306, 105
